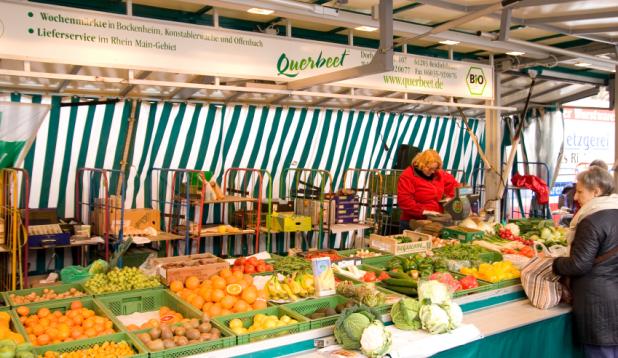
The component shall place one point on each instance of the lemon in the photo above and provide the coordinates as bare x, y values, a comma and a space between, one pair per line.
259, 318
285, 319
292, 321
239, 331
235, 323
270, 324
281, 324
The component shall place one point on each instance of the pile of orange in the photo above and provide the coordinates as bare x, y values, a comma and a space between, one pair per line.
47, 327
166, 316
222, 294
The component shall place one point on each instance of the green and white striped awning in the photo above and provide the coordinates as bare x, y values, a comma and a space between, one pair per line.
214, 138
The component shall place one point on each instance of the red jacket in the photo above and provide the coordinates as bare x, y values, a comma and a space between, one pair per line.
416, 194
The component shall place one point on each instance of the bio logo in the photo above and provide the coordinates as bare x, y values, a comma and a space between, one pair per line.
290, 67
476, 81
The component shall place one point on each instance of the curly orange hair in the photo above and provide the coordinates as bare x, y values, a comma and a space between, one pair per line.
426, 158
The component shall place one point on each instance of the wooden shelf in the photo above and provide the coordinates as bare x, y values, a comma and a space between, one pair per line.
226, 200
337, 228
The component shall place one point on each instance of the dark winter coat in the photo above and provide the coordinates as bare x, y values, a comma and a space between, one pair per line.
594, 287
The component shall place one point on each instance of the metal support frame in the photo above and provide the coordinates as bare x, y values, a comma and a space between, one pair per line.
382, 60
493, 144
505, 24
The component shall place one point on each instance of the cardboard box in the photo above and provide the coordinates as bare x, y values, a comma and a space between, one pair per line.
288, 222
139, 219
420, 243
201, 266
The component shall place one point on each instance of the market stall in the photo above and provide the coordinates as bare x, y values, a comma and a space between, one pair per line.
220, 178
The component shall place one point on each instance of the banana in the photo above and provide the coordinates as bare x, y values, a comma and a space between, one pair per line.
274, 291
302, 291
291, 294
308, 283
296, 288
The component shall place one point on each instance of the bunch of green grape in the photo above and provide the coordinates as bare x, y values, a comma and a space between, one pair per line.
124, 279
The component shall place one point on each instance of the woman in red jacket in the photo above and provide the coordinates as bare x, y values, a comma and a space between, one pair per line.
421, 187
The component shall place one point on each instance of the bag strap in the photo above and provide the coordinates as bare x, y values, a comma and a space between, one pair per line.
606, 256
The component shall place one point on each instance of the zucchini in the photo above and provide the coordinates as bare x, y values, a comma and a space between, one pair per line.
400, 282
395, 274
409, 291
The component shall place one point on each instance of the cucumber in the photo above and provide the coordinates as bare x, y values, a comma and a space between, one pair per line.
409, 291
395, 274
400, 282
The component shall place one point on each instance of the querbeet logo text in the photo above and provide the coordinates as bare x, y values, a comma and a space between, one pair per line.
290, 67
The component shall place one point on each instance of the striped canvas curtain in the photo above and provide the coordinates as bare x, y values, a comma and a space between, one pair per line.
214, 138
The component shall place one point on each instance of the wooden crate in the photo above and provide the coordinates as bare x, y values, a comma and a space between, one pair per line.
420, 243
201, 266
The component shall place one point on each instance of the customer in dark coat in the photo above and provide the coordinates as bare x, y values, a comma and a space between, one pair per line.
594, 287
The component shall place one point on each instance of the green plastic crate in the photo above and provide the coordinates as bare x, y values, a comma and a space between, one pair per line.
484, 286
14, 323
146, 301
63, 306
385, 308
38, 290
247, 320
378, 260
226, 340
461, 234
97, 295
88, 343
509, 283
308, 307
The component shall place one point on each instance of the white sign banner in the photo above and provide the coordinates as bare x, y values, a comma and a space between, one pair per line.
62, 35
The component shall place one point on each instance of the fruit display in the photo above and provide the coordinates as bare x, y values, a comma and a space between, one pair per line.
188, 331
260, 322
251, 265
496, 272
289, 264
222, 294
6, 334
8, 348
329, 311
166, 316
291, 288
46, 327
117, 280
48, 294
105, 349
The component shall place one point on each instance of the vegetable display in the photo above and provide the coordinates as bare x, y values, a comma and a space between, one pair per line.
366, 293
422, 265
47, 295
10, 349
468, 252
363, 254
547, 233
404, 314
454, 284
289, 264
251, 265
333, 255
351, 324
496, 272
375, 340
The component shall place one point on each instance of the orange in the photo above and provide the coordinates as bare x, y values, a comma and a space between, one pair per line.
23, 310
259, 304
234, 289
225, 312
192, 282
241, 306
225, 273
249, 295
197, 302
262, 294
99, 328
176, 286
190, 297
90, 332
217, 295
228, 302
238, 274
215, 310
218, 282
243, 284
43, 312
45, 322
231, 279
38, 329
205, 293
248, 279
43, 340
206, 307
75, 305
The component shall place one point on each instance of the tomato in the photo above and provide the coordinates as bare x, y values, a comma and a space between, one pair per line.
240, 261
252, 261
369, 276
260, 268
249, 269
383, 275
238, 268
268, 267
469, 282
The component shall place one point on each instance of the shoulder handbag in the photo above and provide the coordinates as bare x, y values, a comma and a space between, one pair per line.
543, 287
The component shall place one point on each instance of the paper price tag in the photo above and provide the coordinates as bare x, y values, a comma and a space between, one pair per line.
346, 263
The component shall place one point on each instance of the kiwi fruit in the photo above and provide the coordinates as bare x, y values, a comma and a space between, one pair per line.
166, 333
330, 312
317, 315
182, 341
205, 327
180, 331
144, 337
156, 345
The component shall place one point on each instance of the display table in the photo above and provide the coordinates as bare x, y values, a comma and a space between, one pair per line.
511, 329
